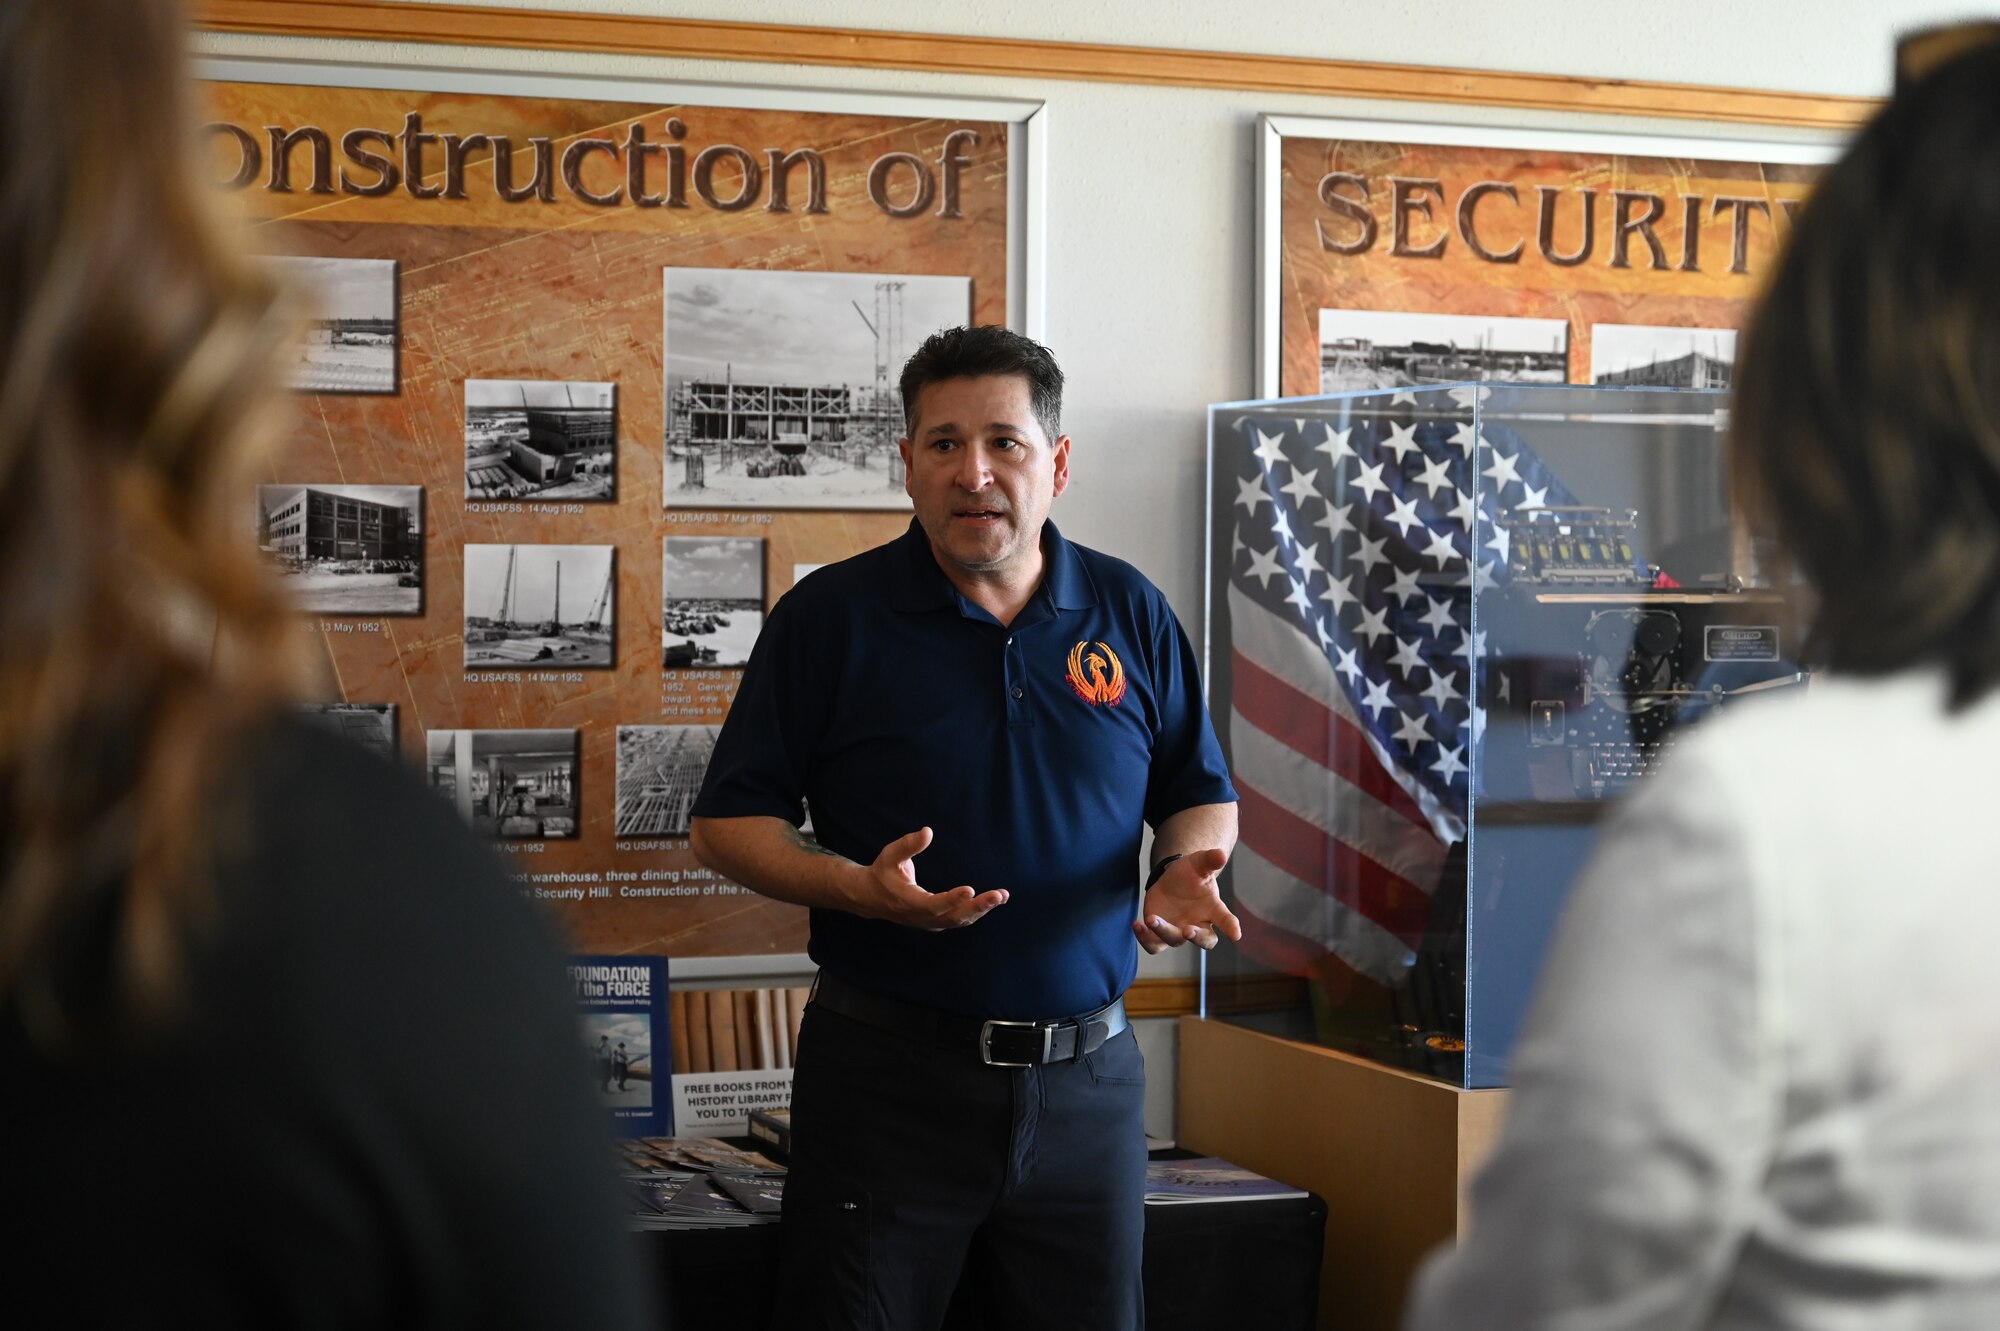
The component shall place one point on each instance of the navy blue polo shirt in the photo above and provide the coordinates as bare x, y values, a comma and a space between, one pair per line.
889, 702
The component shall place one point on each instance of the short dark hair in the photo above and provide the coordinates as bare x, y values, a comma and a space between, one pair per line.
1867, 423
980, 350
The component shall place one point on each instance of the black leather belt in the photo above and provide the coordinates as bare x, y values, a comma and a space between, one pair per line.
1000, 1044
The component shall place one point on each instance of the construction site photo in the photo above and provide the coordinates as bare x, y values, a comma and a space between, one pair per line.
781, 386
540, 605
659, 772
351, 310
712, 607
548, 439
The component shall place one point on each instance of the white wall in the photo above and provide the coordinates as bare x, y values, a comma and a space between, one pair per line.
1149, 198
1149, 189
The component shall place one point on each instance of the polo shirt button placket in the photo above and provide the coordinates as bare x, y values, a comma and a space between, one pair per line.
1016, 713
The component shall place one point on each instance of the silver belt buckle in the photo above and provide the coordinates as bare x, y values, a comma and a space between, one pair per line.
986, 1042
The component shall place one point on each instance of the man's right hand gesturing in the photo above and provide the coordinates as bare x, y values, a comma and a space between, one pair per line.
887, 889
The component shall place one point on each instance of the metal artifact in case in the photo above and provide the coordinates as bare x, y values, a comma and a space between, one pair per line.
1449, 628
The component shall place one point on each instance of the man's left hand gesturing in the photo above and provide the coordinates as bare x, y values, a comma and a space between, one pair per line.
1185, 906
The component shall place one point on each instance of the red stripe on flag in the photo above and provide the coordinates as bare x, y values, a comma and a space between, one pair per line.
1305, 725
1336, 868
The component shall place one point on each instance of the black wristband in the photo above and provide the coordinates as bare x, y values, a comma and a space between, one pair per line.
1160, 868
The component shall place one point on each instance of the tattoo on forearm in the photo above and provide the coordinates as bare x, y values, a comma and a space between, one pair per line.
809, 847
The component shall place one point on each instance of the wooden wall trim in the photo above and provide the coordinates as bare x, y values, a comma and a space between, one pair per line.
771, 43
1243, 993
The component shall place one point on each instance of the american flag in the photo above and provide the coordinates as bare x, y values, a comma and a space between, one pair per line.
1351, 716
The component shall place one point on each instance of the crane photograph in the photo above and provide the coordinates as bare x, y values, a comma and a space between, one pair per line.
781, 387
514, 605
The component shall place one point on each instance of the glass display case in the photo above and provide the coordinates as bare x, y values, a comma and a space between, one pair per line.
1450, 627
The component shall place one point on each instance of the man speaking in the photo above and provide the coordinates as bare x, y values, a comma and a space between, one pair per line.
980, 715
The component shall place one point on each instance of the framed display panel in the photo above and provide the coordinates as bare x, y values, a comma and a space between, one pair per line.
482, 470
1456, 625
1479, 241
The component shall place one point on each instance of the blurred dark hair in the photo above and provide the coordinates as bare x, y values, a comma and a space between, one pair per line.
138, 641
983, 349
1867, 424
1922, 50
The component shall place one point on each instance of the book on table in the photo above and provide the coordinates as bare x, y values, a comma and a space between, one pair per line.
773, 1127
1207, 1179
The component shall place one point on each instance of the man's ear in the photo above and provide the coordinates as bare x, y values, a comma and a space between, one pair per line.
1061, 465
903, 447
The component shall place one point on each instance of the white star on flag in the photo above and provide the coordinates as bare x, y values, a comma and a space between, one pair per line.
1448, 764
1335, 444
1269, 451
1336, 520
1407, 659
1403, 514
1402, 441
1441, 549
1264, 564
1369, 481
1441, 691
1374, 623
1300, 487
1436, 476
1503, 472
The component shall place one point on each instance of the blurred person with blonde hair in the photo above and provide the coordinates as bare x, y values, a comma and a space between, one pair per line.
219, 929
1759, 1087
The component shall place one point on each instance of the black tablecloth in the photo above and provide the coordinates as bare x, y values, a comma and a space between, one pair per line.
1208, 1265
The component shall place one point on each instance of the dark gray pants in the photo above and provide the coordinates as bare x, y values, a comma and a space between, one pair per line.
913, 1166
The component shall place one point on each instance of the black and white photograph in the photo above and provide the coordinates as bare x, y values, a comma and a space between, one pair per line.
1644, 356
543, 438
712, 600
372, 725
781, 386
621, 1054
1361, 349
512, 785
351, 339
659, 773
345, 549
540, 606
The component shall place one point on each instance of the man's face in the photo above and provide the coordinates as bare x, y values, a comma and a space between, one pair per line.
982, 474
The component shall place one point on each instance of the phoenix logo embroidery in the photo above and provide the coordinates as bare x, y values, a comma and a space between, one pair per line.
1096, 674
